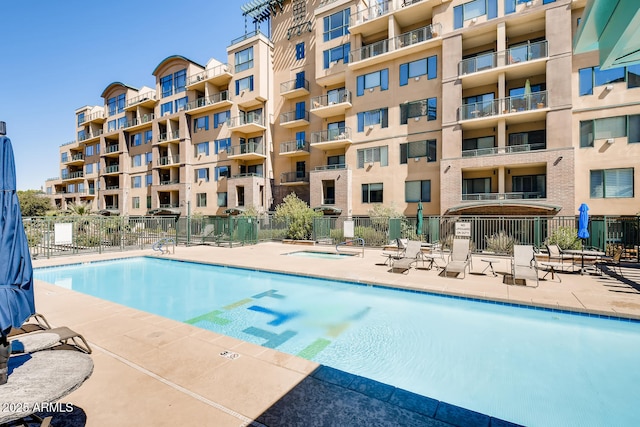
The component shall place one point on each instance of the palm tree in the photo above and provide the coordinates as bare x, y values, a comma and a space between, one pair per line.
79, 209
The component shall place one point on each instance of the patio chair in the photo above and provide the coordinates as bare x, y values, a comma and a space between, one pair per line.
612, 261
207, 232
524, 265
556, 254
398, 253
412, 254
38, 324
459, 258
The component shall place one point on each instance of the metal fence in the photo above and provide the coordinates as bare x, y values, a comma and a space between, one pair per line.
55, 236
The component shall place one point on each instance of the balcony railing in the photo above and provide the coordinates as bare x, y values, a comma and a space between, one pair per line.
372, 12
511, 104
169, 136
290, 146
503, 150
293, 85
170, 182
112, 148
112, 168
286, 177
138, 121
330, 135
245, 120
75, 157
208, 74
111, 207
331, 99
247, 148
389, 45
168, 160
331, 167
291, 116
112, 187
168, 205
246, 36
503, 196
328, 201
72, 175
248, 175
140, 98
88, 135
510, 56
208, 100
92, 116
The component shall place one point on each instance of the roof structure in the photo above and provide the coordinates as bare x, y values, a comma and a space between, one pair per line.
261, 10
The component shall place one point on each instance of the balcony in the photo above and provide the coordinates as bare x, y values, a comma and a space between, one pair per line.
147, 100
503, 150
518, 62
165, 137
294, 178
88, 137
515, 109
111, 169
502, 196
75, 159
338, 166
247, 151
73, 176
217, 100
97, 117
331, 138
168, 160
170, 182
332, 104
294, 119
247, 123
219, 75
294, 88
396, 47
139, 122
111, 187
367, 20
110, 150
294, 148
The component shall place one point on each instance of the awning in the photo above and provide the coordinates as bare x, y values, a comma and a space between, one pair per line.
503, 207
328, 210
234, 211
108, 212
164, 211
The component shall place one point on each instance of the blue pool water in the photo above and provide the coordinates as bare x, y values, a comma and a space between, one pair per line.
318, 254
532, 367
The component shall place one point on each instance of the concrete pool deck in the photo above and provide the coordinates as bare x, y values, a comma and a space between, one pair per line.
150, 370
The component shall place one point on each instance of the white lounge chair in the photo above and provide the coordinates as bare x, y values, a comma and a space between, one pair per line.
459, 258
412, 254
524, 265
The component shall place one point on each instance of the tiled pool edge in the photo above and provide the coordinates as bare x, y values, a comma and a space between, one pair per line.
539, 307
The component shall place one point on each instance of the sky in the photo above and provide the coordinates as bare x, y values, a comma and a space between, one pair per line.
58, 56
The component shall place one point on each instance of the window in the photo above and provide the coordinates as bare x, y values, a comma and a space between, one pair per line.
373, 117
470, 145
111, 125
610, 183
222, 199
148, 136
166, 108
202, 149
122, 122
240, 195
476, 186
605, 77
111, 106
244, 59
135, 202
121, 101
415, 69
222, 172
222, 145
633, 76
181, 103
417, 191
201, 123
97, 148
148, 157
593, 76
634, 129
201, 200
418, 149
373, 155
136, 182
148, 202
535, 139
300, 80
300, 50
148, 179
609, 127
336, 25
64, 157
166, 85
336, 54
136, 139
88, 168
82, 135
88, 150
221, 118
80, 119
424, 107
64, 173
136, 161
371, 80
335, 129
301, 111
533, 186
301, 169
180, 81
474, 9
372, 193
244, 84
202, 174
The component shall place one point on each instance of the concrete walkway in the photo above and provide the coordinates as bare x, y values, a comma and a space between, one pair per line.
155, 371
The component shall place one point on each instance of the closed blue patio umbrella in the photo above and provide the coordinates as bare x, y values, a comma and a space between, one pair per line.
16, 273
419, 219
583, 222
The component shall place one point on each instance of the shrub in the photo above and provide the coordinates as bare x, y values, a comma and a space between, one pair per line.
565, 237
298, 215
501, 243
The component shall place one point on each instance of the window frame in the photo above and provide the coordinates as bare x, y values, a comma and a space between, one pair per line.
332, 31
426, 198
370, 193
201, 200
243, 59
430, 150
603, 181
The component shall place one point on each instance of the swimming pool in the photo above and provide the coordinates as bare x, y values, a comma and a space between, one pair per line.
532, 367
319, 254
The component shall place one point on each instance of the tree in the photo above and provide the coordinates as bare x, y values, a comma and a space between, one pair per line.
33, 203
298, 215
79, 209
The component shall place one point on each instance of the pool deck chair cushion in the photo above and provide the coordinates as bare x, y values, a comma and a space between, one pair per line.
524, 265
459, 258
412, 254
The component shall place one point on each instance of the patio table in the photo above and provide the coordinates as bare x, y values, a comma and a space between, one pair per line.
41, 378
582, 253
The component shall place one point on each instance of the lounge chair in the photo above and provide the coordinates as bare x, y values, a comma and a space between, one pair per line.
556, 254
612, 261
398, 253
459, 258
524, 265
38, 324
207, 232
412, 254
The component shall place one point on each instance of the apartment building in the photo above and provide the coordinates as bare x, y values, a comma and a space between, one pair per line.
471, 107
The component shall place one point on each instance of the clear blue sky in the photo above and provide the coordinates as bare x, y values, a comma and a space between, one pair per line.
57, 56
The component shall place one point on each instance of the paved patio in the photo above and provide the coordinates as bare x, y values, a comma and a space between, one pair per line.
151, 370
